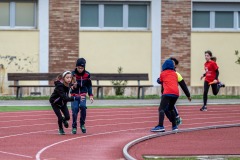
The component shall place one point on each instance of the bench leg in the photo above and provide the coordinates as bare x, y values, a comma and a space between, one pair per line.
139, 89
101, 92
98, 92
17, 92
142, 92
20, 93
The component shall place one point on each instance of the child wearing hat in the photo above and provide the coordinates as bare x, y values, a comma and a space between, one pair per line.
81, 87
59, 99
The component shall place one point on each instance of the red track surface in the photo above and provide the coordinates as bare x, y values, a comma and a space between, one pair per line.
31, 134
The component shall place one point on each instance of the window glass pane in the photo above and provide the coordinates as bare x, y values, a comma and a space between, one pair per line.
238, 19
4, 14
113, 15
201, 19
137, 16
89, 15
24, 14
223, 19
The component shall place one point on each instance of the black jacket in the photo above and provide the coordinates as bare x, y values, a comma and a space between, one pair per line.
60, 94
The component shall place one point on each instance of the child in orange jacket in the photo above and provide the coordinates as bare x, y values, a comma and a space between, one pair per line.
169, 80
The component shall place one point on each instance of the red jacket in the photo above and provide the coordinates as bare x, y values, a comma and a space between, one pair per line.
210, 68
169, 81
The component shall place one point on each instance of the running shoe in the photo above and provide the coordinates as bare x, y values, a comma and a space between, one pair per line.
175, 128
74, 130
83, 129
65, 123
204, 108
61, 131
178, 121
221, 84
158, 129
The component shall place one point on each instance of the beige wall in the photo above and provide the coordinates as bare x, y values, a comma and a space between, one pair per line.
223, 46
105, 51
19, 52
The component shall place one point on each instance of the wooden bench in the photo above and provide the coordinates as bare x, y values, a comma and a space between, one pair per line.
98, 77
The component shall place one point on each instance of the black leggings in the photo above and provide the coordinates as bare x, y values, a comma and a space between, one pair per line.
167, 104
215, 90
58, 111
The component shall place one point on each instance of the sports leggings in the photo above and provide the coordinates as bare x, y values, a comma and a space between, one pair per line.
167, 103
59, 110
215, 90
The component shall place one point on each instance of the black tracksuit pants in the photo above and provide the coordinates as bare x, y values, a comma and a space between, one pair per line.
59, 110
167, 103
215, 90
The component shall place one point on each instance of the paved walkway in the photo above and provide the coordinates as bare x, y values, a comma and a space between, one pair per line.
132, 102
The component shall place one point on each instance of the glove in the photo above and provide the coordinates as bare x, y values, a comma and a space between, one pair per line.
158, 81
76, 98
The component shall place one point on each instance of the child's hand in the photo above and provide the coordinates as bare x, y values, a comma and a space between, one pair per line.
91, 99
201, 78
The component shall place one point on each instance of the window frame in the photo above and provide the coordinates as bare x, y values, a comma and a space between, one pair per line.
125, 16
12, 10
214, 7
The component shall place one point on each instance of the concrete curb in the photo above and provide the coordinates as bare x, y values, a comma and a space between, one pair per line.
128, 102
134, 142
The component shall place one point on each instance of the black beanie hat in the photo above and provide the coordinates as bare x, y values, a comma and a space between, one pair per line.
81, 62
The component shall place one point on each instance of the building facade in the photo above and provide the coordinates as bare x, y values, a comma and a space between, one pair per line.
137, 35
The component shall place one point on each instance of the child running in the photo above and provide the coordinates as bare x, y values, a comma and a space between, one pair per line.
59, 99
81, 87
183, 86
211, 78
169, 80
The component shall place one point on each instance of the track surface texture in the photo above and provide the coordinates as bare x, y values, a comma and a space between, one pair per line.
34, 134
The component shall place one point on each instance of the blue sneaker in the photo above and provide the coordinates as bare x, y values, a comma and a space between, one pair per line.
175, 128
158, 129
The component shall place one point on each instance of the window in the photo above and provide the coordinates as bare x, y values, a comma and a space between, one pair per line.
18, 14
238, 19
89, 15
4, 14
115, 15
137, 16
201, 19
216, 16
224, 19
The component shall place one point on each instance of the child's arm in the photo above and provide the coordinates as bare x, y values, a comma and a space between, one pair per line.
183, 85
89, 88
63, 95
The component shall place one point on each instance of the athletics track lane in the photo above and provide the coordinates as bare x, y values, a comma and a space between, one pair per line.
25, 135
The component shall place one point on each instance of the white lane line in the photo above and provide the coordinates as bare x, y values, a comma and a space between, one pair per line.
97, 134
19, 155
14, 135
182, 112
132, 118
38, 155
106, 113
27, 133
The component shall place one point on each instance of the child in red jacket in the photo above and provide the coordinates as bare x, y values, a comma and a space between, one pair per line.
169, 80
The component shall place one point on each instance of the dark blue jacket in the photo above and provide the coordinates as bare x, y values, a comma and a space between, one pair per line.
84, 83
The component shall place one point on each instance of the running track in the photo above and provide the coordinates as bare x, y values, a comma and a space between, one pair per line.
33, 134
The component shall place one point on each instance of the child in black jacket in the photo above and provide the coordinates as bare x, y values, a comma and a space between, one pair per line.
59, 99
